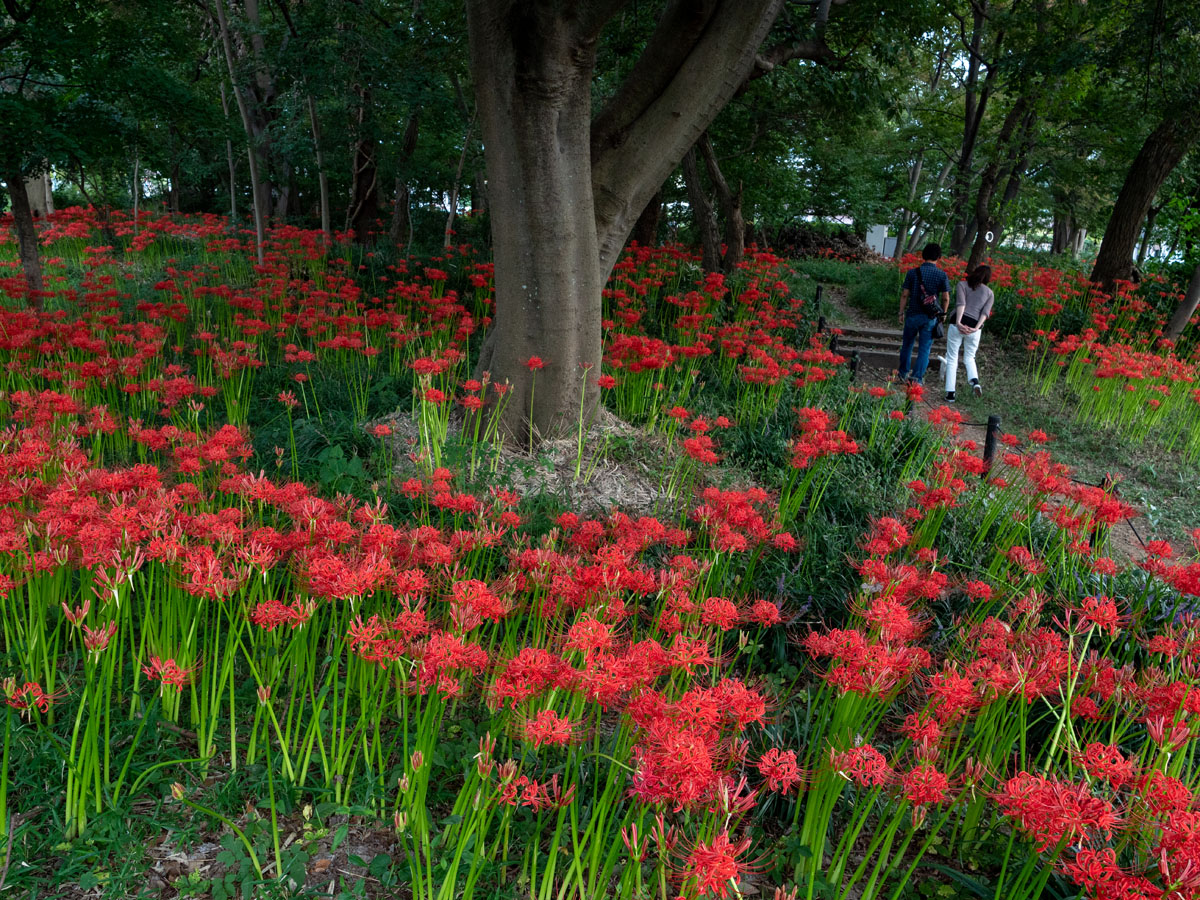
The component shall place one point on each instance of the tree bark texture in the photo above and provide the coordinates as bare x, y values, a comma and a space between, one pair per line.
564, 195
1147, 231
533, 82
1160, 154
27, 242
1186, 308
702, 214
41, 198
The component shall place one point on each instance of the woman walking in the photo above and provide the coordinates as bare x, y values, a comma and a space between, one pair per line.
972, 306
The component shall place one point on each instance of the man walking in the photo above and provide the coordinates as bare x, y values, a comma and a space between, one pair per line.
926, 290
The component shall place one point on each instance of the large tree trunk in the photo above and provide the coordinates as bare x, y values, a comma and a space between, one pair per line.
27, 242
401, 225
1186, 308
533, 82
564, 195
1063, 236
1159, 156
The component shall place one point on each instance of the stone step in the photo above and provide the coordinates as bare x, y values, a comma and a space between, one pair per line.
871, 343
886, 360
857, 331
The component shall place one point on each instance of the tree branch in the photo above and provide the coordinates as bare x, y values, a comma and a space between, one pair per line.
678, 31
814, 50
627, 171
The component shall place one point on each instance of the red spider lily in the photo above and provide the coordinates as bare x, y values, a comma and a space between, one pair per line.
547, 728
1050, 810
27, 696
169, 672
714, 868
779, 768
534, 363
863, 765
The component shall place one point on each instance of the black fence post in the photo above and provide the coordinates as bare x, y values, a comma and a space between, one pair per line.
989, 441
855, 360
833, 343
817, 299
820, 324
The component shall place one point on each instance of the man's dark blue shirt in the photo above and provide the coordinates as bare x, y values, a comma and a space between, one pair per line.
936, 282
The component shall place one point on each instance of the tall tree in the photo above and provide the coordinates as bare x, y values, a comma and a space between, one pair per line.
1164, 149
565, 192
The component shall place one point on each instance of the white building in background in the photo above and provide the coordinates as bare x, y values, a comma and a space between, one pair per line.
879, 242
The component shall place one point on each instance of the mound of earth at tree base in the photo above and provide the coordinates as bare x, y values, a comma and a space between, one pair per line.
799, 239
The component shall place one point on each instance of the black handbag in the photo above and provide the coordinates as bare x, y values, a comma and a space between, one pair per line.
938, 331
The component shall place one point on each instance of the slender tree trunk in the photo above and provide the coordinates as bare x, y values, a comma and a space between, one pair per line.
1186, 308
920, 228
322, 176
977, 97
1147, 231
401, 225
987, 222
702, 214
137, 192
1159, 156
645, 230
448, 233
731, 207
909, 217
27, 241
272, 188
255, 185
363, 211
232, 165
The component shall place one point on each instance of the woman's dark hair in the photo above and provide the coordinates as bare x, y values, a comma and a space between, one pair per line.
981, 275
932, 252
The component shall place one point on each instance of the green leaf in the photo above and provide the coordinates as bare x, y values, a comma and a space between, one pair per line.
338, 837
974, 885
